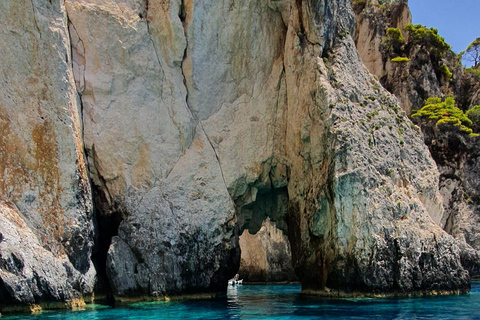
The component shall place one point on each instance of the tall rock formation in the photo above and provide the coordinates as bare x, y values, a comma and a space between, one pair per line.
419, 76
372, 20
201, 120
152, 165
413, 82
457, 157
46, 230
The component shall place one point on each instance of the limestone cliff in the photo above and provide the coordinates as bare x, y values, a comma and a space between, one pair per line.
46, 230
415, 80
457, 158
201, 120
418, 77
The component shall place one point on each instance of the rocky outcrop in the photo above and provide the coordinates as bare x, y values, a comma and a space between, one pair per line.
266, 255
457, 158
152, 165
46, 230
203, 119
346, 245
372, 20
411, 81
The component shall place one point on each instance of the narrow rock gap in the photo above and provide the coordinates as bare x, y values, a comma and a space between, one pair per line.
105, 225
183, 18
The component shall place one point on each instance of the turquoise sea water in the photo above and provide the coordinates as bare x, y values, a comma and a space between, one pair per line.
283, 302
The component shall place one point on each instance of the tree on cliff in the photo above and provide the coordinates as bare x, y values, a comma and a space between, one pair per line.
472, 54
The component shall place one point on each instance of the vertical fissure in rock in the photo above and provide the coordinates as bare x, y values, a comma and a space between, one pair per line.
105, 221
183, 18
150, 33
36, 21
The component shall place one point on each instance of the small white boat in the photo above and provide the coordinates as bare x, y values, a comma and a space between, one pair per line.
235, 280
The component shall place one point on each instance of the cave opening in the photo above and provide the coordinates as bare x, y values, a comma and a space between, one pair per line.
265, 249
106, 223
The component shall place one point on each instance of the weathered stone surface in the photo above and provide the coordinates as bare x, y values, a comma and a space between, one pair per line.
150, 159
372, 21
457, 158
359, 224
47, 230
201, 120
412, 82
266, 255
31, 274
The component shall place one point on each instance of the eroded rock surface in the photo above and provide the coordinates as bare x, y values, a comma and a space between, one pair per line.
46, 206
266, 255
205, 118
372, 228
457, 158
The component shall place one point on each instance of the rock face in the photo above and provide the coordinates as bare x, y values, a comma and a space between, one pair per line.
457, 158
152, 165
202, 119
339, 235
266, 256
372, 21
46, 230
412, 81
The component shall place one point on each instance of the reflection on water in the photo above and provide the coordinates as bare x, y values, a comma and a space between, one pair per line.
283, 302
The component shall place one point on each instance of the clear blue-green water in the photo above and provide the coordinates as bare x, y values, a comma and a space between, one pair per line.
284, 302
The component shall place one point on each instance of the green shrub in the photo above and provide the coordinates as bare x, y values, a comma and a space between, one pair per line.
474, 115
427, 37
475, 72
394, 34
358, 5
446, 72
445, 114
394, 41
400, 59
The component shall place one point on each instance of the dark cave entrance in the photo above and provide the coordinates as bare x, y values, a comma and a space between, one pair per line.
265, 249
106, 223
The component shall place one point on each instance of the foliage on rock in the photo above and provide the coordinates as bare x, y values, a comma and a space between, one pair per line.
400, 59
428, 38
446, 114
474, 116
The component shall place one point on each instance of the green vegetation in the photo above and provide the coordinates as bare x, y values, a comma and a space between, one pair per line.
400, 59
394, 41
358, 5
474, 116
475, 72
394, 34
445, 114
427, 38
372, 114
446, 72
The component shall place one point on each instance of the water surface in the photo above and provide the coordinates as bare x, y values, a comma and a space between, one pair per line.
283, 302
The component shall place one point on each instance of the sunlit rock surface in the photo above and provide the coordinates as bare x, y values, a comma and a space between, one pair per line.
201, 119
